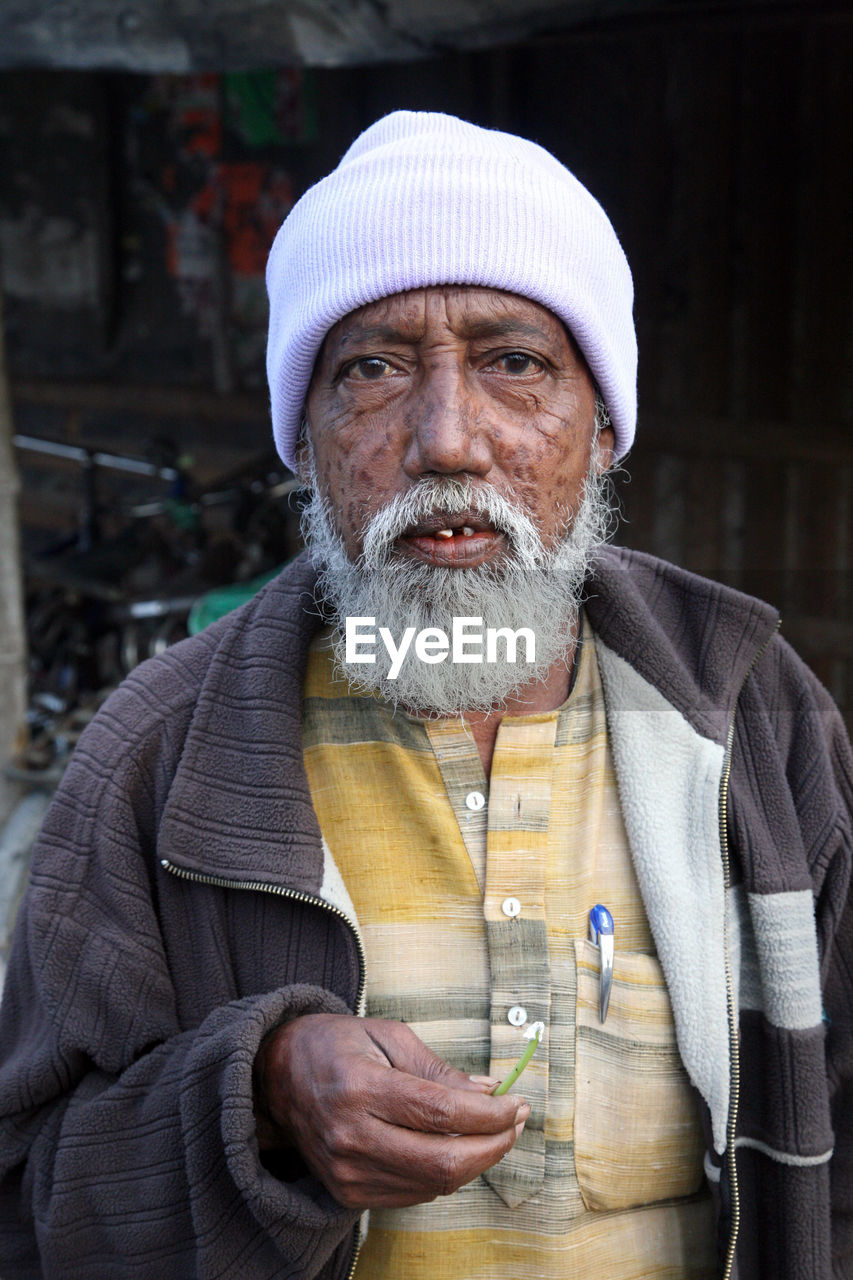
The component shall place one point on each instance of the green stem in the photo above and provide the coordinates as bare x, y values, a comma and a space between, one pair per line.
506, 1084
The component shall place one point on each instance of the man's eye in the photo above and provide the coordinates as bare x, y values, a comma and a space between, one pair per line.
519, 362
368, 369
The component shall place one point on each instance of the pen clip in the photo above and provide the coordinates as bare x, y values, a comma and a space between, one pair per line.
601, 936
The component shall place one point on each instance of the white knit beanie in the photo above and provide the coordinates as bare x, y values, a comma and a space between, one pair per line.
424, 199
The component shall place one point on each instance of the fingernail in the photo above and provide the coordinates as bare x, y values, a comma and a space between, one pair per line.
484, 1080
523, 1110
518, 1129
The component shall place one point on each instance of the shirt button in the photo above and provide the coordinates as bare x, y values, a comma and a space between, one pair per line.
517, 1015
511, 907
475, 800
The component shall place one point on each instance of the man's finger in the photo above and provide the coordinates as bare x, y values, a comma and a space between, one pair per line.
407, 1052
428, 1107
405, 1167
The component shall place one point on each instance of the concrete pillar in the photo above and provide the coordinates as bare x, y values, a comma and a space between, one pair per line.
12, 634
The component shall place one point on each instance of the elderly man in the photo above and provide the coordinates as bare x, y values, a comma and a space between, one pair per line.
400, 781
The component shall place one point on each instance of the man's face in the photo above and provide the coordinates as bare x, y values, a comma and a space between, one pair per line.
451, 456
452, 381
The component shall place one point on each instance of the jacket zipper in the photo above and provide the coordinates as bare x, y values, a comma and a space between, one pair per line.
356, 1250
734, 1037
295, 895
734, 1032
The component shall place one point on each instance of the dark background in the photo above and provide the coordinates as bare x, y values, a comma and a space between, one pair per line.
136, 211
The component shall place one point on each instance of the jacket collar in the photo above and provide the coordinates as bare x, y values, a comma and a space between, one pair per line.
692, 639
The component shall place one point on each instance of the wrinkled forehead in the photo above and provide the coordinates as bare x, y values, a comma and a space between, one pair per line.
465, 311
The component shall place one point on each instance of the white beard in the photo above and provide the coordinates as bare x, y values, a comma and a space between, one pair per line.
529, 587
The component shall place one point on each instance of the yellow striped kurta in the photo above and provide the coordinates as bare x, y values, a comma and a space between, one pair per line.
606, 1178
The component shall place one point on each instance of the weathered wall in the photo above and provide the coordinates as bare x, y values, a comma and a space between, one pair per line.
184, 36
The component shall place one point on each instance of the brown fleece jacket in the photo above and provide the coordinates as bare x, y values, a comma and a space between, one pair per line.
174, 915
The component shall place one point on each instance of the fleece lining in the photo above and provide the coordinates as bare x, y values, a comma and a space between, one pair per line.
669, 786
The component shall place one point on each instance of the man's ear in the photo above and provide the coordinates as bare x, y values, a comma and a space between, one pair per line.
606, 448
302, 454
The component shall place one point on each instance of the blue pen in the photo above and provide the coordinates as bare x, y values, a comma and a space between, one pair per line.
601, 934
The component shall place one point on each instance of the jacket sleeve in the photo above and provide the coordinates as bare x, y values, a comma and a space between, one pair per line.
819, 765
834, 909
127, 1137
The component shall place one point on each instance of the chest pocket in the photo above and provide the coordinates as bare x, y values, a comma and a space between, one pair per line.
637, 1130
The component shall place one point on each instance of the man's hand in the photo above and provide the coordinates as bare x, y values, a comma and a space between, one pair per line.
375, 1114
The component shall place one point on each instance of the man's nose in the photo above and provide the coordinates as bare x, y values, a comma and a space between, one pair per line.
450, 432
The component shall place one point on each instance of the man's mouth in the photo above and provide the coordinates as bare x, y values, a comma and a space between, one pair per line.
465, 532
461, 541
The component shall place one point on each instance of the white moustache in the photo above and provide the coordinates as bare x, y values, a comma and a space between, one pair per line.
447, 497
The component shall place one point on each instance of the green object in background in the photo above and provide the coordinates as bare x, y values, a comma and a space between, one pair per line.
271, 108
183, 514
221, 600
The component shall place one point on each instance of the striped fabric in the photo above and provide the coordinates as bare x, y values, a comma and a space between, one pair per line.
607, 1176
